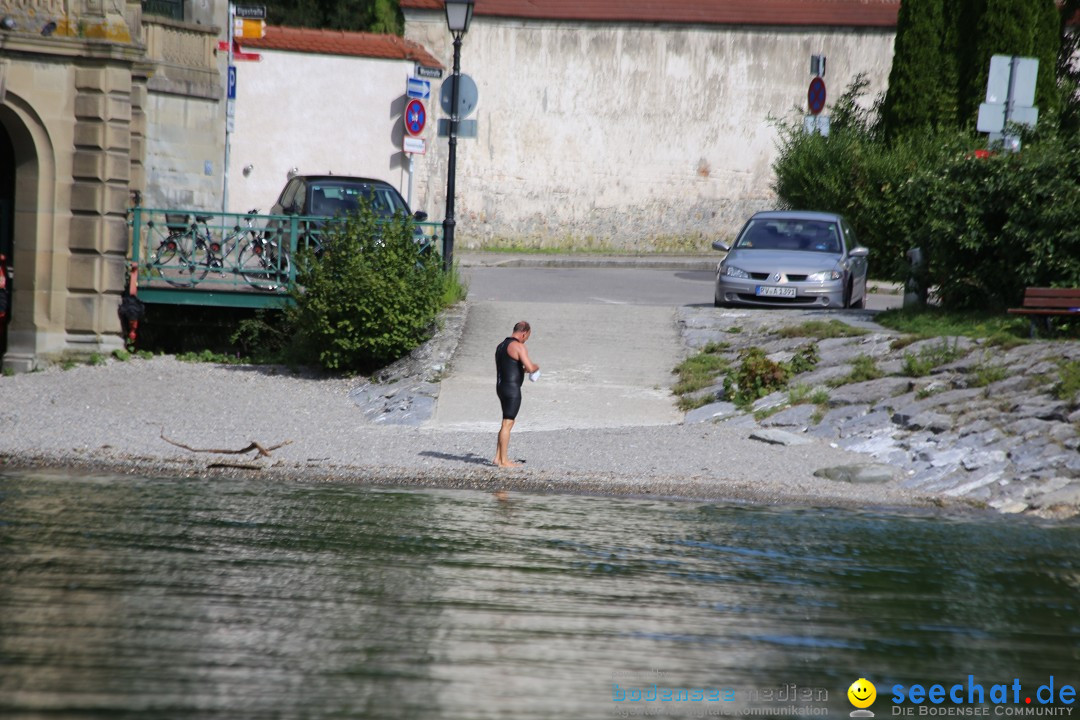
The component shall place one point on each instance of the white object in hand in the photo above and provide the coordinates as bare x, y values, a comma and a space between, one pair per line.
534, 376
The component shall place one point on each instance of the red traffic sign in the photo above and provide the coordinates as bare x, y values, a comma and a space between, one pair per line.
815, 96
415, 117
238, 54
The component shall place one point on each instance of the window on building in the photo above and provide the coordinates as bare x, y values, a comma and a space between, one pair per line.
173, 9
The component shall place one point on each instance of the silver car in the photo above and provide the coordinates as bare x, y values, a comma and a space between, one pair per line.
792, 259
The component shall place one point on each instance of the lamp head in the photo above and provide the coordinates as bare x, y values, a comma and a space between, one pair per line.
458, 15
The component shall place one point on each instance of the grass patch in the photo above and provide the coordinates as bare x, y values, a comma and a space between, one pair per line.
930, 358
821, 330
985, 373
686, 403
700, 371
121, 355
934, 322
802, 394
863, 368
96, 359
208, 356
576, 245
1067, 387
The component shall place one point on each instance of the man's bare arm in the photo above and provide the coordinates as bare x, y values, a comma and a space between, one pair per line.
522, 356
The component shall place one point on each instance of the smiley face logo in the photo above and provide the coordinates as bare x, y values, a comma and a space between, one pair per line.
862, 693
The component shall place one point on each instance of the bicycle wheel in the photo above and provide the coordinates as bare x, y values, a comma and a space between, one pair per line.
175, 260
263, 266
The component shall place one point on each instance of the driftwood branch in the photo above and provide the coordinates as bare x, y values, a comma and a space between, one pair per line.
255, 445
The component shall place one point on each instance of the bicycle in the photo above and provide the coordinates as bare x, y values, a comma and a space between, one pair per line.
190, 251
264, 263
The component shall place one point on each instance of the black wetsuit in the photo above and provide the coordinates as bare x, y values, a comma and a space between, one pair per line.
509, 373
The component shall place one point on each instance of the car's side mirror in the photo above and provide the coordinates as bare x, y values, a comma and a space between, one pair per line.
420, 216
859, 252
721, 246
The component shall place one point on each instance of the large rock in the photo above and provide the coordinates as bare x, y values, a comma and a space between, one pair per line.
874, 473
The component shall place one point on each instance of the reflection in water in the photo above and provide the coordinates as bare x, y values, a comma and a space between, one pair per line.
194, 598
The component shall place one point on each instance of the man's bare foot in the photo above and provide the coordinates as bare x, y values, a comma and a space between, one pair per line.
506, 463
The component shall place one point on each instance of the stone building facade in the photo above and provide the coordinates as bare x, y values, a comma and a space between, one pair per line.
78, 81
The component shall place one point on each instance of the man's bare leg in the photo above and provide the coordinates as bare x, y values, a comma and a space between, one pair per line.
502, 457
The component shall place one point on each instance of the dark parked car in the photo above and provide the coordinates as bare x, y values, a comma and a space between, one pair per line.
330, 195
793, 259
327, 196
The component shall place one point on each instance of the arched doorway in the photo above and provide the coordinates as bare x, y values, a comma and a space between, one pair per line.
7, 225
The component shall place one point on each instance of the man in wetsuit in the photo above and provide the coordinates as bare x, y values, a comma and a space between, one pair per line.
511, 363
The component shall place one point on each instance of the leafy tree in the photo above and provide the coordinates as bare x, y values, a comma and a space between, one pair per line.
380, 16
1068, 70
917, 96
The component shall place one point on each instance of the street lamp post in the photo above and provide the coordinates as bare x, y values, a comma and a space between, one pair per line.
458, 16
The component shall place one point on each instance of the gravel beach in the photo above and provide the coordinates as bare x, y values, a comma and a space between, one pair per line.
133, 417
161, 416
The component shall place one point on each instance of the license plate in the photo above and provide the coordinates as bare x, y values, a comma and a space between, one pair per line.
773, 291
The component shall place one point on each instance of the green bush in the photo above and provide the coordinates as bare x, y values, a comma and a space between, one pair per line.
370, 298
993, 226
757, 376
989, 227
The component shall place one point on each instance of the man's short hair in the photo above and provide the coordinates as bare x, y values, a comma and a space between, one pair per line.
522, 326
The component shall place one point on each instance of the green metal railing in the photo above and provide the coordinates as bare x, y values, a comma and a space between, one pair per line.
190, 257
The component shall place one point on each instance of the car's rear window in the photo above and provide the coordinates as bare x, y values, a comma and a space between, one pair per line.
780, 234
334, 198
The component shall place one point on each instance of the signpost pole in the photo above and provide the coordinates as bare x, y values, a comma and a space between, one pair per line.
228, 115
451, 169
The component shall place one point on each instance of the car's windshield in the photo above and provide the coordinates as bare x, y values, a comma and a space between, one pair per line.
334, 198
786, 234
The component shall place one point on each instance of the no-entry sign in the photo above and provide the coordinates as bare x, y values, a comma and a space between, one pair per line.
415, 117
815, 96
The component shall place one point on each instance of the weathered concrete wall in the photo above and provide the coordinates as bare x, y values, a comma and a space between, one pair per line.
185, 113
185, 152
630, 136
318, 114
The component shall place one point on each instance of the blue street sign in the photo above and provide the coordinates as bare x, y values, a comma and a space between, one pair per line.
232, 82
418, 88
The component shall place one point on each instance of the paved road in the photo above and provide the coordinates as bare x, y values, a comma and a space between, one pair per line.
606, 286
605, 338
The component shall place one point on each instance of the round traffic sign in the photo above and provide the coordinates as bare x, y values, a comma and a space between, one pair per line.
815, 96
415, 117
467, 95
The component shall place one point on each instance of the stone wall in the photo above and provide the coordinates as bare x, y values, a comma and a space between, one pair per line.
185, 111
630, 136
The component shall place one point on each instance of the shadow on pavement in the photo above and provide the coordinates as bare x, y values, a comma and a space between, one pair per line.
471, 458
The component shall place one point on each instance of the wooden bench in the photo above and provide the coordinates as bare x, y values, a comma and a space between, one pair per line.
1044, 303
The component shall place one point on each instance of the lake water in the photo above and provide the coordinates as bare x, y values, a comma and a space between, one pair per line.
162, 598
